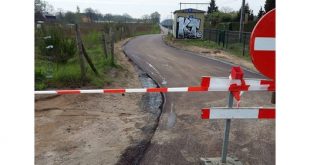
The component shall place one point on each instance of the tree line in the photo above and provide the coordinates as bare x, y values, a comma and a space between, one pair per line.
226, 14
91, 15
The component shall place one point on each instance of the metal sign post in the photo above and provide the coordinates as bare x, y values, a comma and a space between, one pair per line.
227, 129
236, 73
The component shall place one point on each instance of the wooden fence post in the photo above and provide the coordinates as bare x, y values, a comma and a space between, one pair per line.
104, 42
81, 58
122, 29
89, 60
112, 47
227, 39
243, 46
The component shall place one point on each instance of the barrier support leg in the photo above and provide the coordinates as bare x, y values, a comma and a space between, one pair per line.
227, 129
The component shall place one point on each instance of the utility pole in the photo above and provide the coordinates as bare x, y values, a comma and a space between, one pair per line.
241, 21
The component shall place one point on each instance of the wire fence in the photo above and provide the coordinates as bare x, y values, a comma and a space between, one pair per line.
229, 39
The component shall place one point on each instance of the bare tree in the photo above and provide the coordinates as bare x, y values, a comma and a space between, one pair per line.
126, 17
145, 18
60, 14
155, 17
108, 17
39, 6
43, 7
90, 13
226, 9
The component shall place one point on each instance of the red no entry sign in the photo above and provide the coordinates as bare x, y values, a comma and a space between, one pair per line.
262, 45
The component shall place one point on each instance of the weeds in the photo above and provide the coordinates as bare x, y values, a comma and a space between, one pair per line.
54, 45
63, 70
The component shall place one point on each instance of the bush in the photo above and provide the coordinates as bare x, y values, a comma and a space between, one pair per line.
39, 79
40, 86
63, 48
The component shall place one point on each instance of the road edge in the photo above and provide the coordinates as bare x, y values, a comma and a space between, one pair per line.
215, 59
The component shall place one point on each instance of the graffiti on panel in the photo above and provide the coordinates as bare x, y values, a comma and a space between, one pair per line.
188, 27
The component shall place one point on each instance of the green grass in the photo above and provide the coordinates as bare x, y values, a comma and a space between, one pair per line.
234, 49
69, 74
237, 50
49, 74
61, 75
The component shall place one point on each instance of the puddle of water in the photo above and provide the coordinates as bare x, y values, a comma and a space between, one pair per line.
172, 117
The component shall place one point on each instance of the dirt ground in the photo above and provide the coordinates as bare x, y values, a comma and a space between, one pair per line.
216, 54
90, 128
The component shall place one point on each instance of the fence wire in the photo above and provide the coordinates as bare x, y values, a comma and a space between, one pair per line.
229, 39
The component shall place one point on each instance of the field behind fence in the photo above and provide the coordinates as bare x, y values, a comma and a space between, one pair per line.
69, 55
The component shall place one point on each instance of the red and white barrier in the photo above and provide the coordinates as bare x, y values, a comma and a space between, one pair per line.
207, 84
238, 113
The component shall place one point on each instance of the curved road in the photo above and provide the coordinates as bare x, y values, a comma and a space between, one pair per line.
182, 137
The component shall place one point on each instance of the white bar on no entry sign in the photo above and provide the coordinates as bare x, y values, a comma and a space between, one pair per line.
265, 44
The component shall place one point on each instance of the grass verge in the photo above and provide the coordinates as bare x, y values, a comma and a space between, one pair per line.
233, 49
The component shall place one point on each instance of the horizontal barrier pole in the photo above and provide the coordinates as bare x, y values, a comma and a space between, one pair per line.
207, 84
238, 113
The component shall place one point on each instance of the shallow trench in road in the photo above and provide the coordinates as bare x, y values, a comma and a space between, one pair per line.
152, 103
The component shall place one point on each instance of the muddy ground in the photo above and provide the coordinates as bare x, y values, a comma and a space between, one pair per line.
95, 128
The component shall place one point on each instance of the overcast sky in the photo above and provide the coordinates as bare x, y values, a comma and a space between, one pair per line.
137, 8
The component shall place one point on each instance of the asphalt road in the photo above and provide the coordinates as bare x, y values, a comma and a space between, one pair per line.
182, 137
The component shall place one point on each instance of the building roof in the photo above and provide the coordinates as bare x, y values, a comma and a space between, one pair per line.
50, 17
189, 10
39, 16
